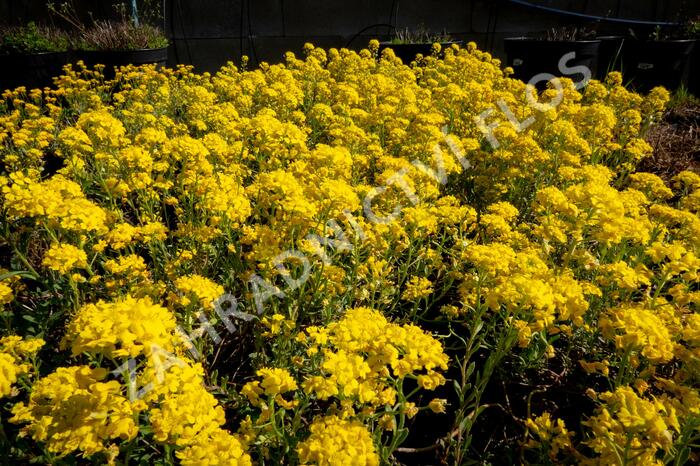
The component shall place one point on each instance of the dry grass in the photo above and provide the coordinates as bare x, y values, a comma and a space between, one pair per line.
676, 141
121, 35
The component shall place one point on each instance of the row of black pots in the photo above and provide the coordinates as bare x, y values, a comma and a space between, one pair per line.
643, 64
38, 70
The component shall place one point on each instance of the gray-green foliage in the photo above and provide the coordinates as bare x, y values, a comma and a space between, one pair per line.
32, 39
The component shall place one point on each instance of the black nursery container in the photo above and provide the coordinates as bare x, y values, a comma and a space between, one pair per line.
32, 70
407, 52
657, 63
609, 55
694, 74
529, 57
115, 58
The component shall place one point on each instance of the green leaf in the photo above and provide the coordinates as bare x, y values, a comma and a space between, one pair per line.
470, 368
22, 273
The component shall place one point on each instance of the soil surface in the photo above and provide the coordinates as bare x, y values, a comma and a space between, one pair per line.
676, 142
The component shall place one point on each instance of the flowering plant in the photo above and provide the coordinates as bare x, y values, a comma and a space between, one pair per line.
343, 259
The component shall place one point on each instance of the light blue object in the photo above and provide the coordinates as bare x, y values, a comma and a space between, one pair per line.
134, 12
592, 17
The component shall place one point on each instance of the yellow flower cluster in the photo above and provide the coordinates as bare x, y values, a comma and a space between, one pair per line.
522, 280
204, 291
58, 200
363, 349
184, 408
6, 294
275, 382
642, 330
219, 448
183, 413
590, 209
337, 442
641, 427
417, 288
127, 327
64, 257
74, 409
550, 433
14, 352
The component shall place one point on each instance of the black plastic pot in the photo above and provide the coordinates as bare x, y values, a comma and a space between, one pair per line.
609, 55
407, 52
115, 58
657, 63
694, 75
529, 57
33, 71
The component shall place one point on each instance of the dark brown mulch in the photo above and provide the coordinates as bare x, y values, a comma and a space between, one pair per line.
676, 142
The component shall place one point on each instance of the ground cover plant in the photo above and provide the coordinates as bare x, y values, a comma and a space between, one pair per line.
340, 260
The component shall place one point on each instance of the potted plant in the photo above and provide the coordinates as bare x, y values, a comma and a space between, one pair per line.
661, 60
529, 56
129, 40
114, 44
406, 43
31, 55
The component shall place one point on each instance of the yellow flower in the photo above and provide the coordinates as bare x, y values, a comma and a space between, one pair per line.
9, 371
218, 448
20, 347
59, 200
153, 231
6, 295
276, 381
360, 350
132, 265
410, 409
437, 405
252, 391
121, 235
635, 427
337, 442
639, 329
277, 324
184, 413
596, 367
226, 196
553, 435
72, 409
624, 276
204, 290
123, 328
431, 380
417, 288
651, 185
174, 182
64, 257
524, 332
